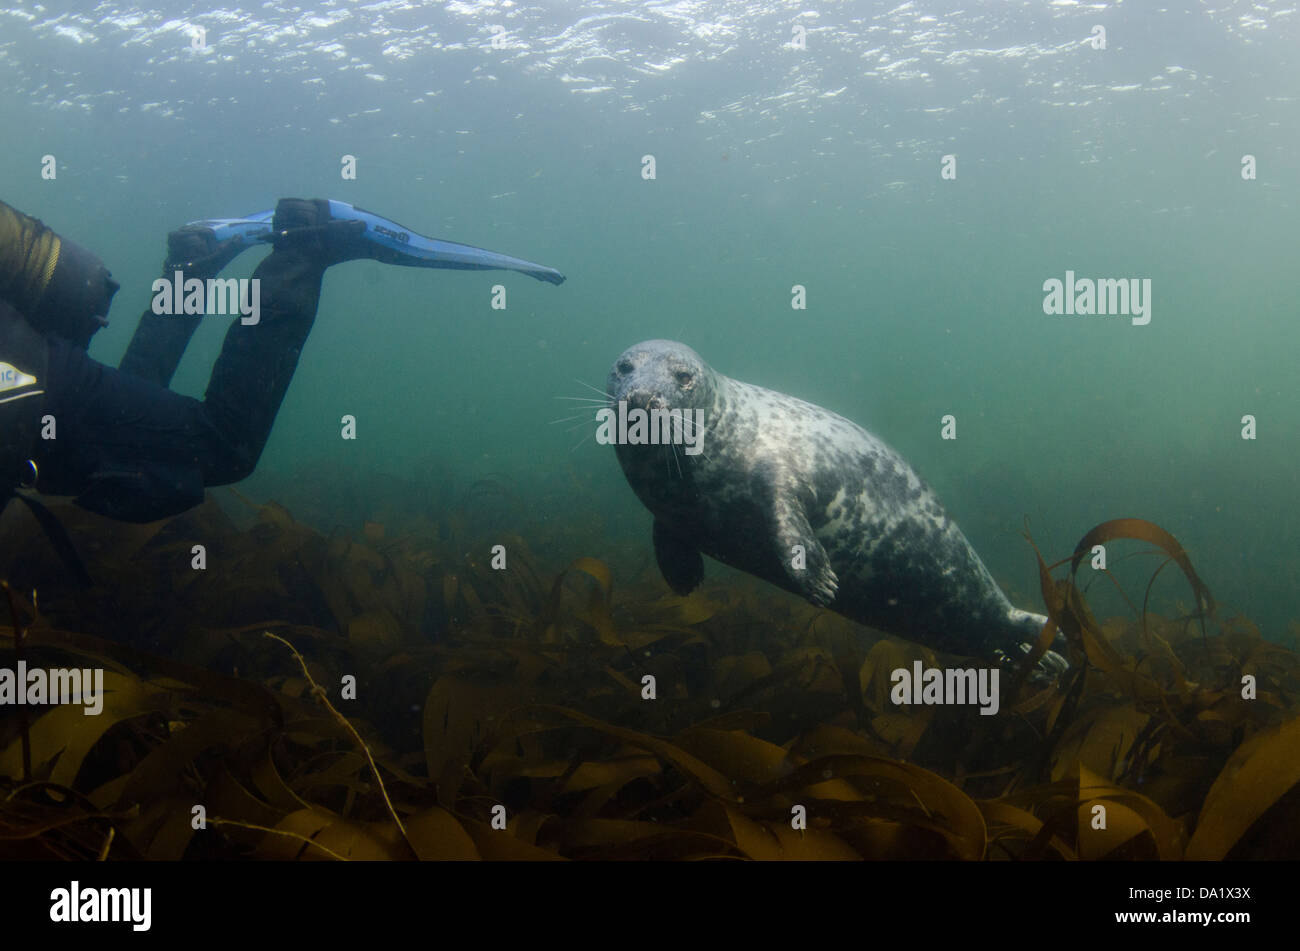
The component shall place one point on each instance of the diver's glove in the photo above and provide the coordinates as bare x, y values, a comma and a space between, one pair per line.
59, 286
340, 232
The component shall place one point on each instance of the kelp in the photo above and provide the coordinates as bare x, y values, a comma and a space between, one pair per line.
558, 709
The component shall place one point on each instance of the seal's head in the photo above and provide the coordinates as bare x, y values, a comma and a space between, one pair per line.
662, 374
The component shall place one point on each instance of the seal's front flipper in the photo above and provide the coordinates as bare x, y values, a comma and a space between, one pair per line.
802, 556
680, 562
803, 560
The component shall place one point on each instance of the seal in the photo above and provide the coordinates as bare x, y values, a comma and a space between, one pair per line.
806, 500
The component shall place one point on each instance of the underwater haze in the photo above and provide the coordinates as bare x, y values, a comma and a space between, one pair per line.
857, 204
774, 166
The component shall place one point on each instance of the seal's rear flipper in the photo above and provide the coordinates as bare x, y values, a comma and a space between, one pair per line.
1049, 668
1027, 628
680, 562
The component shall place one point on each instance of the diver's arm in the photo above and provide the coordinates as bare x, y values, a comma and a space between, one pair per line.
59, 286
52, 291
24, 361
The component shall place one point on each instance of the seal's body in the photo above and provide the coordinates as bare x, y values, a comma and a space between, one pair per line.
811, 502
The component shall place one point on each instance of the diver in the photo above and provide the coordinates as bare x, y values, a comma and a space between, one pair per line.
118, 440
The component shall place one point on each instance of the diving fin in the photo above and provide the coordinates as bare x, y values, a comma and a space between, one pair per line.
386, 241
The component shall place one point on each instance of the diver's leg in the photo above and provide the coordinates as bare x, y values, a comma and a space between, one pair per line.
257, 360
160, 339
124, 447
133, 450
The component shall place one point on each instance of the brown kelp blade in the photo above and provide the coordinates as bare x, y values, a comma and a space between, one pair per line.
1141, 530
507, 713
1259, 773
1068, 611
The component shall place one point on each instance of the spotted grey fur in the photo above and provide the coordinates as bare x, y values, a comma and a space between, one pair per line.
776, 472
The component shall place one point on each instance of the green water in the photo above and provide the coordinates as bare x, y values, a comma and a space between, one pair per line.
774, 167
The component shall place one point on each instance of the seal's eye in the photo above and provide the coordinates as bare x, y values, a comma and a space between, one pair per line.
625, 366
684, 378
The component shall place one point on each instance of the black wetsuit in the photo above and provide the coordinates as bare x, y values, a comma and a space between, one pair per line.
124, 444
